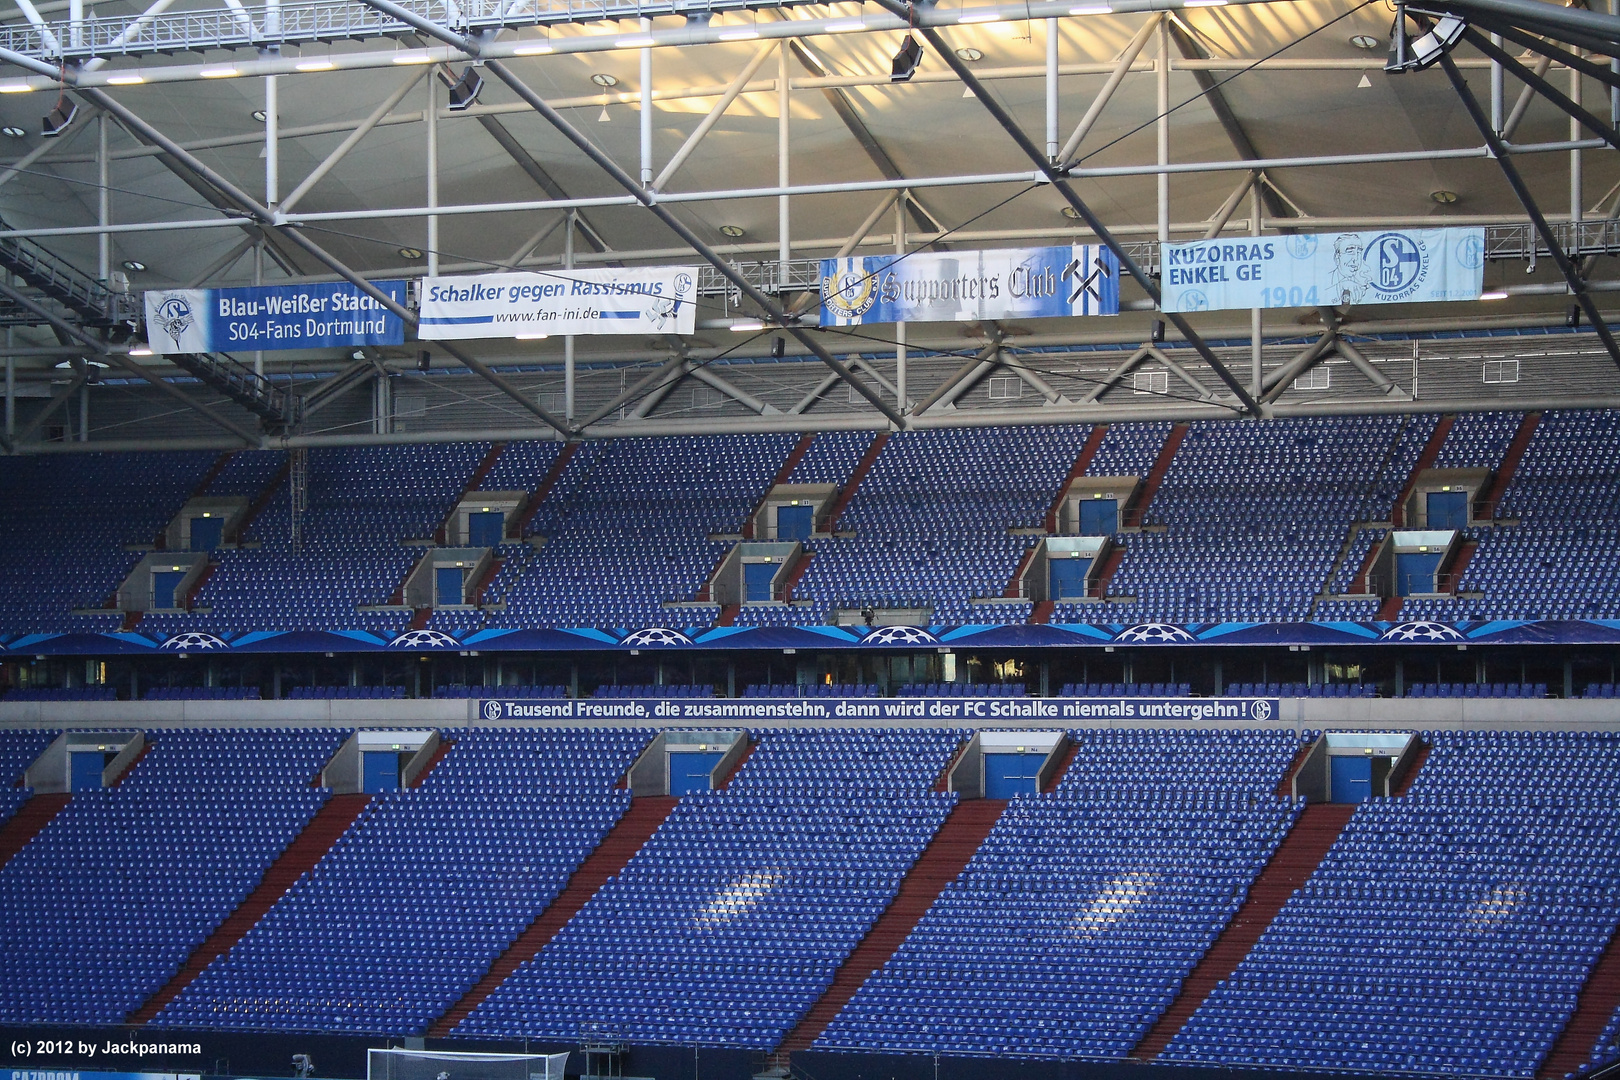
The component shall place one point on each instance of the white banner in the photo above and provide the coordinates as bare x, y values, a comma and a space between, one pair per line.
1394, 266
631, 300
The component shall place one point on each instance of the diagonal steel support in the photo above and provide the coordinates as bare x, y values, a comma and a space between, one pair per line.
250, 207
1112, 379
542, 179
1215, 97
1600, 128
1182, 373
1359, 361
1093, 222
1017, 366
844, 106
1572, 275
222, 264
334, 387
1229, 207
662, 390
352, 140
960, 379
772, 310
1121, 68
1543, 47
1575, 25
1277, 383
716, 111
703, 375
58, 399
647, 384
814, 395
100, 350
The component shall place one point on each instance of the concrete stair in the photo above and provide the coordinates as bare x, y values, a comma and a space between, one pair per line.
1295, 859
520, 520
940, 863
611, 856
299, 858
1431, 451
1485, 508
1136, 512
1593, 1008
862, 467
28, 822
1082, 462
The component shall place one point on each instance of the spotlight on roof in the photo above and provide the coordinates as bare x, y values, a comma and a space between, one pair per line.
906, 60
465, 90
57, 120
1415, 54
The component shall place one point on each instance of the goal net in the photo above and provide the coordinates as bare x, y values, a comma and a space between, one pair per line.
397, 1064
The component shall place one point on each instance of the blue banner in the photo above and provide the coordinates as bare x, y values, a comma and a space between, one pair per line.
1394, 266
1022, 710
333, 315
970, 286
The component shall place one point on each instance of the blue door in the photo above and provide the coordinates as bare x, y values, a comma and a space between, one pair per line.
1068, 578
84, 770
164, 584
794, 522
757, 580
485, 528
689, 772
447, 584
1006, 775
206, 533
1414, 571
1351, 778
379, 771
1448, 509
1099, 517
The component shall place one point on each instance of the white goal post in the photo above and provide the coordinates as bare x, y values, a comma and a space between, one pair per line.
397, 1064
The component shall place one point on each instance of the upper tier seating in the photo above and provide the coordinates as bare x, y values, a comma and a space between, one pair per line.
956, 689
363, 501
732, 919
1072, 927
653, 691
346, 693
1562, 559
67, 520
1156, 690
1477, 690
461, 690
634, 531
106, 903
837, 690
202, 693
1448, 931
419, 896
930, 523
62, 693
1295, 689
1252, 523
1478, 440
1254, 515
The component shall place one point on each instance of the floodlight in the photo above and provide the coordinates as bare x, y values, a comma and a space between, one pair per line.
906, 60
464, 91
1415, 54
58, 119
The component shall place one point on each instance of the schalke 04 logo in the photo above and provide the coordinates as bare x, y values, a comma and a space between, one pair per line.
849, 294
175, 317
1398, 264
